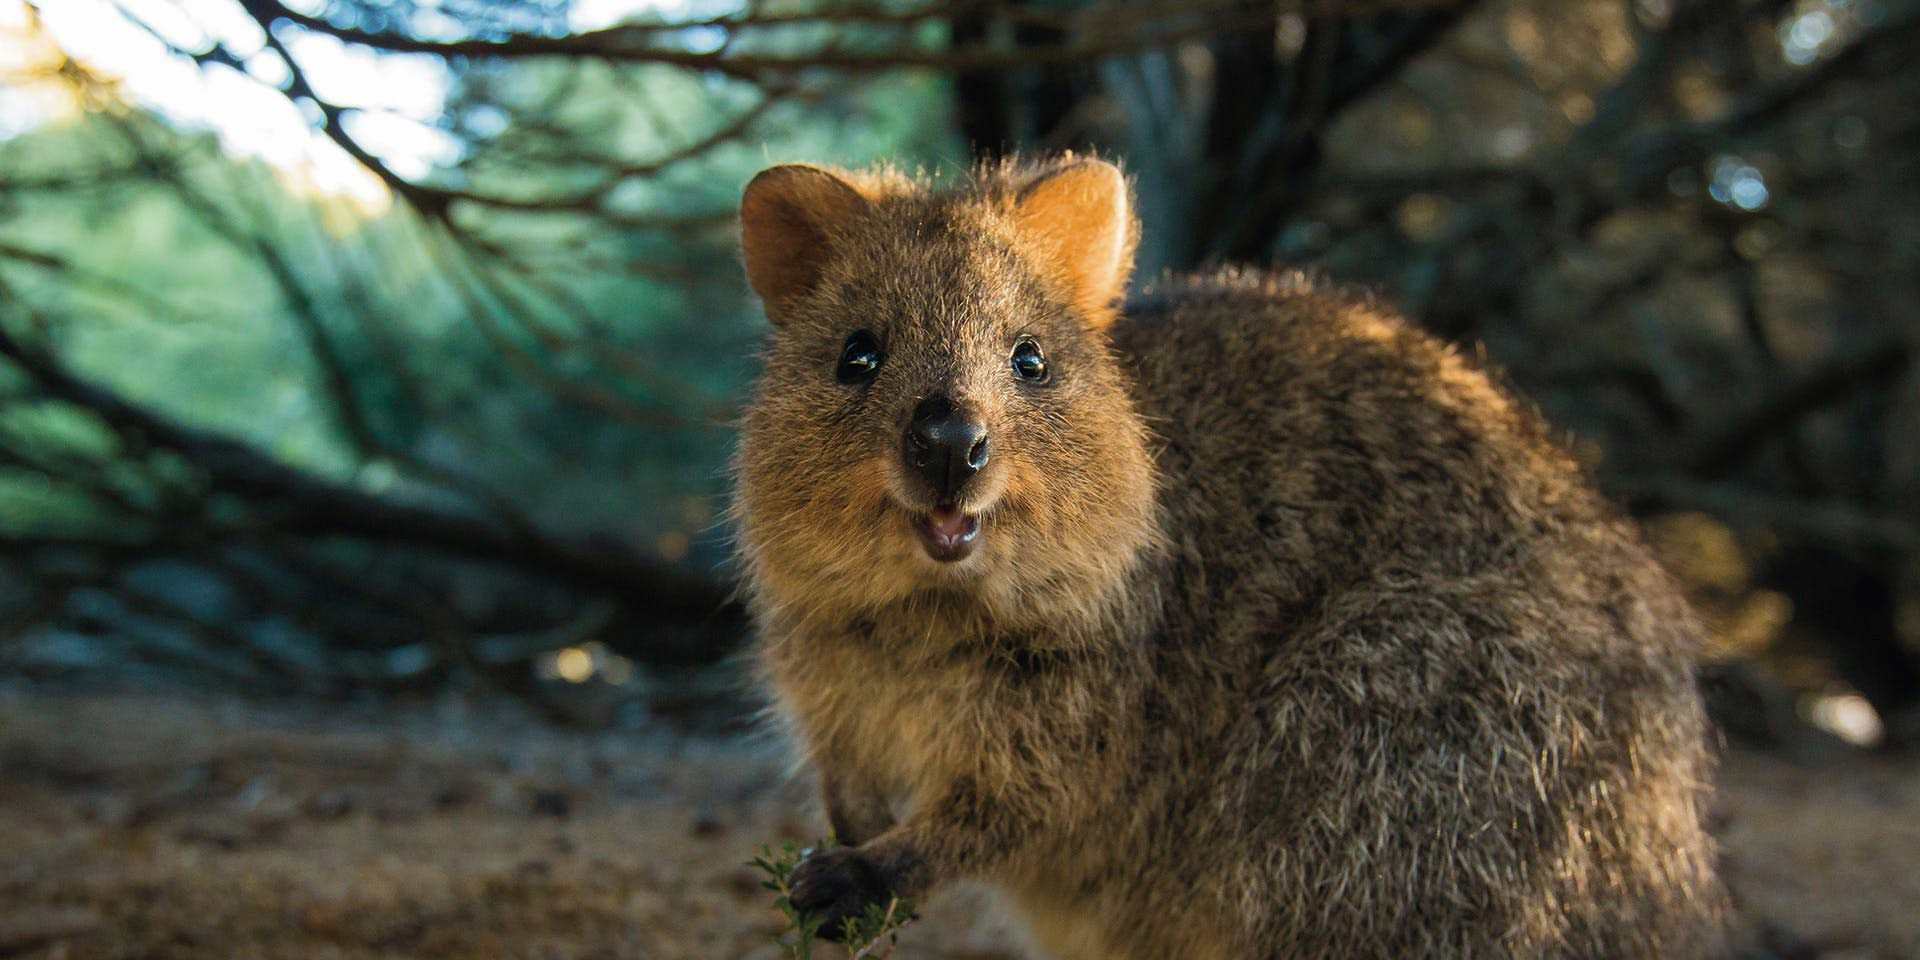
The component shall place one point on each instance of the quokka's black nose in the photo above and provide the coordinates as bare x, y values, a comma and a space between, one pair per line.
945, 446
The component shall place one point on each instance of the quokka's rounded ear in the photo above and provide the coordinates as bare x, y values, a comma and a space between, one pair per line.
788, 216
1079, 219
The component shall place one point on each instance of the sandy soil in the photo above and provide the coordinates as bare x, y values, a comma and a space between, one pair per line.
165, 828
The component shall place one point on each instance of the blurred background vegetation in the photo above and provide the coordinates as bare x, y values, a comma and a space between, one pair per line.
353, 348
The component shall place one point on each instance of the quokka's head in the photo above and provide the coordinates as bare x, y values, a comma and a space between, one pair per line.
940, 409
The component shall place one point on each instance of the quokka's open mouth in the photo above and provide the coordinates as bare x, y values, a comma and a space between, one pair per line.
947, 533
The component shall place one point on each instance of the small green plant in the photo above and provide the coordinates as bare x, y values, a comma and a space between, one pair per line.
870, 936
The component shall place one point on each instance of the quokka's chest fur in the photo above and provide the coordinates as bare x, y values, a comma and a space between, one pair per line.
914, 720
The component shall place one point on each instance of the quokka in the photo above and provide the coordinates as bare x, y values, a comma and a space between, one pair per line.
1241, 620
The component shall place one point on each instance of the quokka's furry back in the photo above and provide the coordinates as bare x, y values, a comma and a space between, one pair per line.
1280, 631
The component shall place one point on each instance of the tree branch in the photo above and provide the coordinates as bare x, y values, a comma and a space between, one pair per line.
1722, 447
289, 501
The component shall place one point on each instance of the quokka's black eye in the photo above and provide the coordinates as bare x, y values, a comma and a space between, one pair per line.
1028, 363
859, 359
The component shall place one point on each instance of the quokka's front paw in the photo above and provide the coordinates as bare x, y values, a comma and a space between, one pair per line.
836, 885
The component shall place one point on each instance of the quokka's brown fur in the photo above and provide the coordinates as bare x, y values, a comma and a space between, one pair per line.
1288, 634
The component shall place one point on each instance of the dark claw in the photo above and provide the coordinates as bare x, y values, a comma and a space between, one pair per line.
835, 885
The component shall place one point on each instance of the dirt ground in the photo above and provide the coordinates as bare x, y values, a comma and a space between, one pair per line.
155, 827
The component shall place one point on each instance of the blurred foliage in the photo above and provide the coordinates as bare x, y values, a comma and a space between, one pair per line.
196, 326
564, 379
